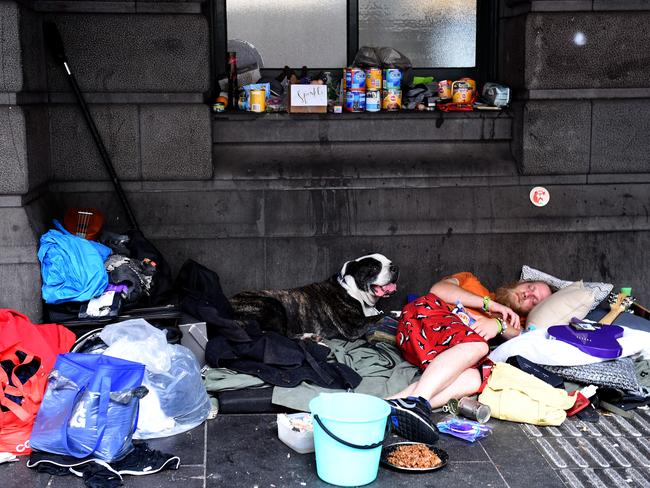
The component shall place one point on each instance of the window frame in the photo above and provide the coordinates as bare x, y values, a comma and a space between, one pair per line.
485, 69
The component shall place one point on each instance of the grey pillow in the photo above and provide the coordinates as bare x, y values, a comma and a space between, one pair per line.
617, 373
601, 290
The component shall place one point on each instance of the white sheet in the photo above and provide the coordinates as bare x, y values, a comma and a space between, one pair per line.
538, 348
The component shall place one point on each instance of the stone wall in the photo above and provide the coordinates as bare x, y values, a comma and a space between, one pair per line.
282, 200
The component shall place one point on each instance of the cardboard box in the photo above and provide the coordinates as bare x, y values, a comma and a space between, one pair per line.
195, 337
307, 99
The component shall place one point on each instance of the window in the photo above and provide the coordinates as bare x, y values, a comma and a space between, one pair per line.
446, 38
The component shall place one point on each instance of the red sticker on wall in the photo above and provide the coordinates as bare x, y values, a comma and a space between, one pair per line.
539, 196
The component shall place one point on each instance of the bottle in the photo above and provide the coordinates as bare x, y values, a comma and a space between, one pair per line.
304, 76
232, 80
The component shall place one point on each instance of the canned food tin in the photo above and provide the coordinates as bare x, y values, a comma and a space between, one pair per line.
373, 80
355, 79
218, 107
392, 79
355, 101
373, 101
392, 100
258, 101
461, 92
474, 410
444, 89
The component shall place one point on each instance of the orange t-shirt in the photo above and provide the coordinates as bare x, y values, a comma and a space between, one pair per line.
467, 281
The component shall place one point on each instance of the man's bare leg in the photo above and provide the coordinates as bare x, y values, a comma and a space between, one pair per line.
445, 370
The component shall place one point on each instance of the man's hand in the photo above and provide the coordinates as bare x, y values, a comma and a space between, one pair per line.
507, 314
486, 327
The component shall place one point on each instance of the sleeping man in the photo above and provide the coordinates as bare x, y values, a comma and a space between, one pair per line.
448, 348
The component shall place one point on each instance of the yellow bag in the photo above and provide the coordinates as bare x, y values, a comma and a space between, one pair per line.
514, 395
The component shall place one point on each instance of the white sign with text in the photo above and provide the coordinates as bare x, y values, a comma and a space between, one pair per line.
309, 95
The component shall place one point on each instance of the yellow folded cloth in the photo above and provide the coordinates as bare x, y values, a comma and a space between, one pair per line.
514, 395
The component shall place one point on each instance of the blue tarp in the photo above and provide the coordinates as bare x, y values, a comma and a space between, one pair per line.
72, 268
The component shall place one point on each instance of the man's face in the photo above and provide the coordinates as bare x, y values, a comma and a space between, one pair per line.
528, 294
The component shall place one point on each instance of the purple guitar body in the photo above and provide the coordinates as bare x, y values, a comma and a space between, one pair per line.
600, 343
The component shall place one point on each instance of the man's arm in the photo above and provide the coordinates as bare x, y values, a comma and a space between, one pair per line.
449, 290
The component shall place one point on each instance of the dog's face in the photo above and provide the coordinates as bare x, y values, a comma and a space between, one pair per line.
374, 274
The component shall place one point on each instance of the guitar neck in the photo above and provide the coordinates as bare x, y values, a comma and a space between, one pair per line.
611, 316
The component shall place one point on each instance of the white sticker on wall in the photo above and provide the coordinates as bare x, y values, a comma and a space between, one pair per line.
539, 196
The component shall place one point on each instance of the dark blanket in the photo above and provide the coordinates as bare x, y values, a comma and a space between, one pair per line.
279, 360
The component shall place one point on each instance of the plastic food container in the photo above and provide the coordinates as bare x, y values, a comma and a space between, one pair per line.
296, 431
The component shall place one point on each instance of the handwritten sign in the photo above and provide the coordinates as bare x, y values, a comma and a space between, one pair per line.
308, 97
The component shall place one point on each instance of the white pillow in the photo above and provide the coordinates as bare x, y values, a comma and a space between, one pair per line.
538, 348
601, 290
571, 301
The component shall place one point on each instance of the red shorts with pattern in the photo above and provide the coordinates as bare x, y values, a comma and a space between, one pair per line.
427, 327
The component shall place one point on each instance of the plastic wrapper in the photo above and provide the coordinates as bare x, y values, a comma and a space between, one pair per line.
469, 430
381, 57
177, 399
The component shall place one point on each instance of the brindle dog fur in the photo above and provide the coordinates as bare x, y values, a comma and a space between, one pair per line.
323, 309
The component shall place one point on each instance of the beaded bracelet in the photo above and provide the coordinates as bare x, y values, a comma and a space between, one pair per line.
500, 324
486, 303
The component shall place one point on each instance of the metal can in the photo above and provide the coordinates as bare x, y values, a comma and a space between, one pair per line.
355, 101
474, 410
258, 101
444, 89
461, 92
218, 107
373, 80
392, 100
355, 79
392, 79
373, 101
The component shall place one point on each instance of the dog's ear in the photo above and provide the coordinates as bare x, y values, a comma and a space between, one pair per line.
364, 272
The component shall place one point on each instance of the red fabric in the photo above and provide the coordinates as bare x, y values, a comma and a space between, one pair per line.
41, 344
427, 328
581, 403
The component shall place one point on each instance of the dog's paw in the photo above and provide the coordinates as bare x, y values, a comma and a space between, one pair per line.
310, 336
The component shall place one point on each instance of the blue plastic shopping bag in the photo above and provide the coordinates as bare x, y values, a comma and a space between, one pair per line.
90, 407
72, 268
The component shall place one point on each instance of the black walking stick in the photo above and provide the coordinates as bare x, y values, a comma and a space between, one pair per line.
55, 44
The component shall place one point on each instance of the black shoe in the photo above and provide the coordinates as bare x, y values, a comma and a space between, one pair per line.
411, 419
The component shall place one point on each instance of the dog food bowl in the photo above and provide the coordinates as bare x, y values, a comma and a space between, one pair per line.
296, 431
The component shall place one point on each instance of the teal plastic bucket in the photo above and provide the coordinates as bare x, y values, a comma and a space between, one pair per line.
349, 429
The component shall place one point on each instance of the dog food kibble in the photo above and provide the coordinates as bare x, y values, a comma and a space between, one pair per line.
414, 456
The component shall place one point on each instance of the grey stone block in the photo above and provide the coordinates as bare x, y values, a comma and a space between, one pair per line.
200, 214
556, 137
560, 5
355, 164
622, 5
33, 51
13, 153
11, 61
176, 142
38, 144
238, 262
16, 232
134, 53
587, 50
620, 136
24, 294
512, 52
74, 153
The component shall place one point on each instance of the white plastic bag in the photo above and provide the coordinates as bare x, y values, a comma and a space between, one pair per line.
177, 399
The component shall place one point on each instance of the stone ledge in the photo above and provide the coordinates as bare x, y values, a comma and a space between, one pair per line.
120, 98
588, 93
238, 128
184, 7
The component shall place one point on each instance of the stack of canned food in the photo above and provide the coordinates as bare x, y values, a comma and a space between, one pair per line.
372, 89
